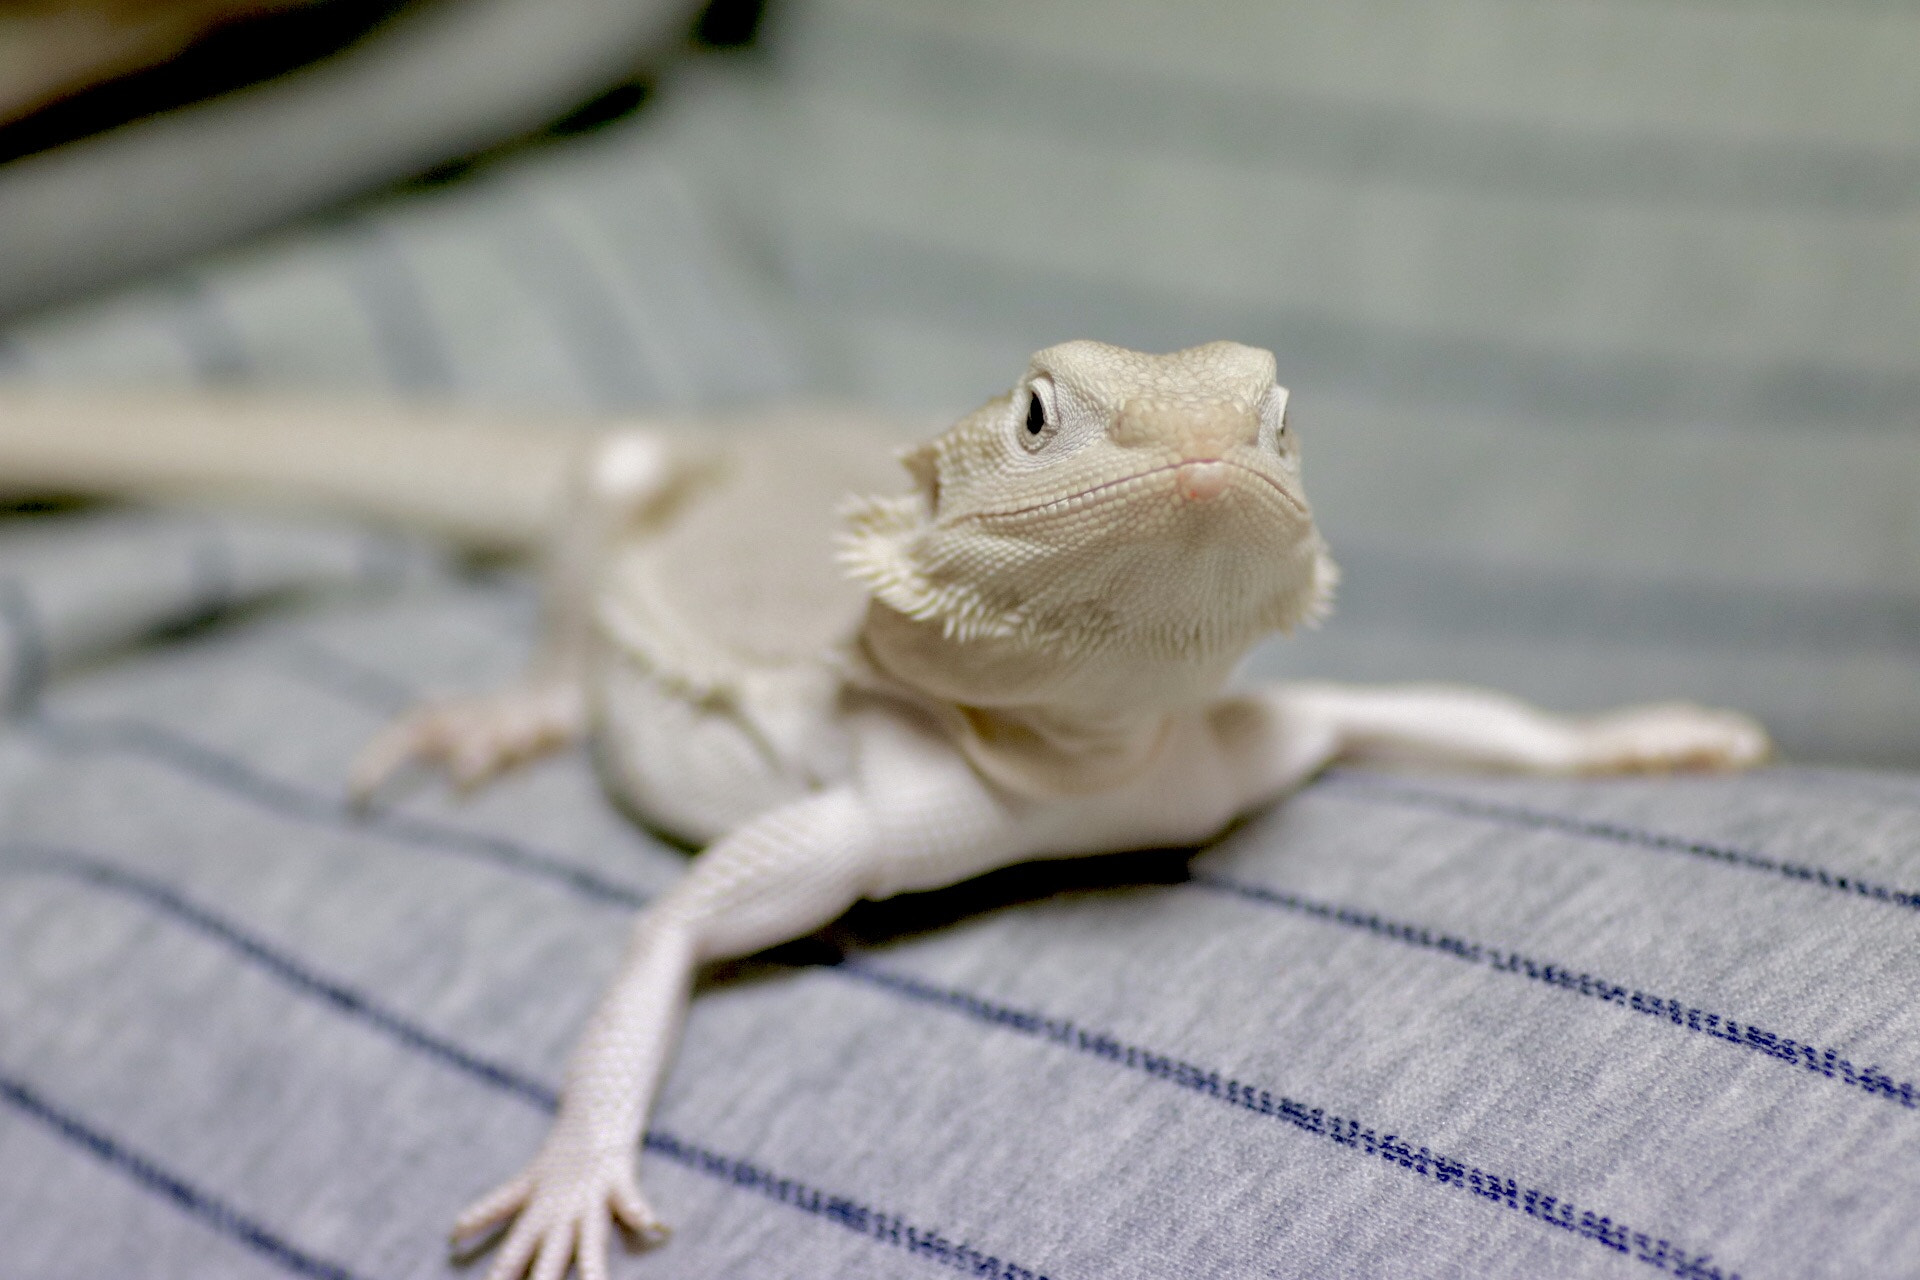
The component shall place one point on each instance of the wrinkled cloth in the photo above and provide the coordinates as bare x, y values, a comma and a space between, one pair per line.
1601, 366
1395, 1025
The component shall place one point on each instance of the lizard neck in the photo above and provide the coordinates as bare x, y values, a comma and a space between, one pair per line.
1039, 721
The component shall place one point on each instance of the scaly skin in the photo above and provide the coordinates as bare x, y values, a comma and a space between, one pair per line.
1053, 611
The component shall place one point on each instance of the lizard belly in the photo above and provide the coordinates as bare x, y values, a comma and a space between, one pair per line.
696, 767
1186, 795
942, 821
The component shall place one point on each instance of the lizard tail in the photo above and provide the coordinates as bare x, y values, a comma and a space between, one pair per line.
489, 485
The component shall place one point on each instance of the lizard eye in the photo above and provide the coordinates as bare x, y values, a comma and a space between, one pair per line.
1273, 420
1040, 421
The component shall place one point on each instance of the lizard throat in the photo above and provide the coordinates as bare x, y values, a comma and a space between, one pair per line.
1038, 724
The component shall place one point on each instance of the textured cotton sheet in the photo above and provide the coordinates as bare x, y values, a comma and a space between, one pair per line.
1600, 331
1399, 1025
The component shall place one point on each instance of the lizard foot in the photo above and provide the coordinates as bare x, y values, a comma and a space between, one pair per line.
562, 1208
1671, 736
473, 738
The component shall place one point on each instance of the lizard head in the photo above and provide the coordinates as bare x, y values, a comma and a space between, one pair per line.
1147, 508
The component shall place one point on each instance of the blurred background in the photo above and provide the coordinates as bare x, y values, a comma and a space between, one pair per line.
1601, 317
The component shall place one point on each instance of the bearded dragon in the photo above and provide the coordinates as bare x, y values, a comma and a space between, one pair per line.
1019, 649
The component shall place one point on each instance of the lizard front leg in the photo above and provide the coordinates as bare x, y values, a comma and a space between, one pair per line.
477, 736
618, 481
1283, 734
915, 816
778, 877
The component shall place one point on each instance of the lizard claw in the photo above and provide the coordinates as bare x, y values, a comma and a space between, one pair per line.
473, 738
486, 1214
562, 1210
631, 1211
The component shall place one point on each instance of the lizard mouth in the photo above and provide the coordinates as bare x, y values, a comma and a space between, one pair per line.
1112, 489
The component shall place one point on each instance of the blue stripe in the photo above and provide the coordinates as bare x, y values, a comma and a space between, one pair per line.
382, 279
1352, 784
215, 579
1816, 1059
170, 1186
164, 898
348, 679
595, 333
204, 330
27, 675
321, 808
861, 1219
843, 1211
1351, 1133
387, 558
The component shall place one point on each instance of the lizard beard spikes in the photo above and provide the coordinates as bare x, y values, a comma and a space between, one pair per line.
1094, 582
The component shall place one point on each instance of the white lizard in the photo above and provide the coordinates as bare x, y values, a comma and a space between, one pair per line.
1023, 655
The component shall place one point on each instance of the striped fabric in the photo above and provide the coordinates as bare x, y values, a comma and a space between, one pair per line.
82, 589
1398, 1026
590, 276
427, 83
1599, 324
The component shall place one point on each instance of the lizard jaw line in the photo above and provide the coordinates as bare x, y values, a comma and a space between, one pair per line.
1177, 469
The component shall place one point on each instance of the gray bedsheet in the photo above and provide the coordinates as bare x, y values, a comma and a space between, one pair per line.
1396, 1026
1601, 328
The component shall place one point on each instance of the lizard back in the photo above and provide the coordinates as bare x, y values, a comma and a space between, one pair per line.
725, 618
741, 573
